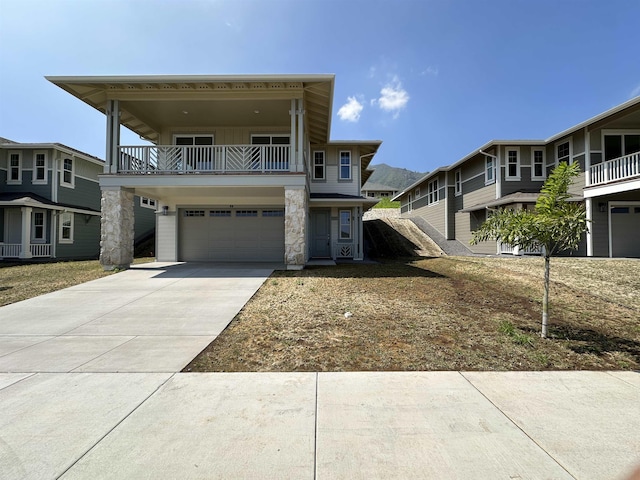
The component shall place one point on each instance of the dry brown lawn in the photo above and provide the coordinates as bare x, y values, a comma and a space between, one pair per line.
448, 313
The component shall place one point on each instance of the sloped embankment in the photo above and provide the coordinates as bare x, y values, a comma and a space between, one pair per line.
398, 237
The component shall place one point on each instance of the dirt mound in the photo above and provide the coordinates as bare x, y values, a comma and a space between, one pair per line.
398, 237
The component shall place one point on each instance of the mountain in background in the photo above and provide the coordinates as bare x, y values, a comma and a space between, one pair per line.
398, 178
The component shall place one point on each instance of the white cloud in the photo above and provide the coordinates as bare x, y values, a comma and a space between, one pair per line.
635, 92
430, 71
393, 97
350, 111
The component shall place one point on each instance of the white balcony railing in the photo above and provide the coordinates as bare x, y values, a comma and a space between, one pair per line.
505, 248
616, 169
344, 250
13, 250
158, 159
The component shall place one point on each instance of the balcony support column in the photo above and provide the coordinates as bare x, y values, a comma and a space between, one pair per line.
113, 136
295, 227
25, 247
588, 207
300, 138
292, 139
116, 228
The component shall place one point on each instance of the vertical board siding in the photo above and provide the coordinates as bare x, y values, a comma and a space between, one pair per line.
166, 235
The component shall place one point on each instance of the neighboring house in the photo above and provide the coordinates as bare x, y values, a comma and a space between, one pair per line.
378, 191
50, 202
242, 167
456, 199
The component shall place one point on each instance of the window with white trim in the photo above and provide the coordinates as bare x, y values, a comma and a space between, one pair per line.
38, 226
433, 193
458, 182
417, 192
345, 224
513, 163
67, 173
277, 157
65, 231
537, 164
318, 165
563, 152
410, 202
15, 168
619, 144
147, 202
489, 171
345, 165
39, 168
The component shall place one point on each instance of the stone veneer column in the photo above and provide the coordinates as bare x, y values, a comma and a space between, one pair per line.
116, 229
295, 227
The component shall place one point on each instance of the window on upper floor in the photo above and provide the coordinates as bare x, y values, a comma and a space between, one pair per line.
489, 170
276, 158
458, 182
417, 193
318, 165
345, 165
15, 168
39, 168
620, 144
345, 224
433, 193
563, 152
513, 163
68, 177
147, 202
66, 228
410, 202
537, 164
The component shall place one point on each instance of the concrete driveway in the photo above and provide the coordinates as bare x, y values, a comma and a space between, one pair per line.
66, 412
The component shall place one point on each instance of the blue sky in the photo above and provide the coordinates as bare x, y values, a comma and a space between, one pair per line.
433, 79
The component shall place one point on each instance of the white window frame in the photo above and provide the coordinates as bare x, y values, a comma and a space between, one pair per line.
10, 168
147, 202
271, 135
34, 178
489, 166
508, 164
417, 193
63, 182
340, 165
341, 237
569, 157
323, 164
457, 181
616, 133
193, 136
433, 192
41, 239
543, 165
410, 202
62, 228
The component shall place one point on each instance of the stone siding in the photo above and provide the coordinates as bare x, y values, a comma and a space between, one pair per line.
376, 213
117, 229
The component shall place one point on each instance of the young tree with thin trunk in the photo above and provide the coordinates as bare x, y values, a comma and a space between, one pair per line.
556, 225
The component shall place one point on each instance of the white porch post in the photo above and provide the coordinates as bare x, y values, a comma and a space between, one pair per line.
113, 136
360, 251
588, 207
295, 225
300, 138
292, 140
25, 247
498, 173
116, 228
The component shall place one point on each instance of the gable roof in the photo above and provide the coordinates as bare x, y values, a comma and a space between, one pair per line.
11, 145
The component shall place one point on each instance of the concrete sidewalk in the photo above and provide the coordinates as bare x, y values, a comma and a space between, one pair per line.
433, 425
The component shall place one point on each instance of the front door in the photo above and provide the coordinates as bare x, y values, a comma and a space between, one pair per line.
321, 233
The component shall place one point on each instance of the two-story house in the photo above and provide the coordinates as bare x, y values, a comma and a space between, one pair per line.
50, 202
242, 167
455, 200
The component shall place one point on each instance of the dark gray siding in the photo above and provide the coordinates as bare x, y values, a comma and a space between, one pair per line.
86, 239
1, 224
145, 219
524, 185
85, 194
26, 185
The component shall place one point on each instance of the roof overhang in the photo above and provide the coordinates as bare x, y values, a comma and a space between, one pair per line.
511, 199
150, 103
52, 146
28, 201
338, 200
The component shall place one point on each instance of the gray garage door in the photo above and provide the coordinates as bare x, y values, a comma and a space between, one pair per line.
625, 230
231, 235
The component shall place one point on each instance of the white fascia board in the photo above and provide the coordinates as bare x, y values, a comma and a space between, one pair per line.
45, 206
191, 78
601, 190
423, 179
168, 181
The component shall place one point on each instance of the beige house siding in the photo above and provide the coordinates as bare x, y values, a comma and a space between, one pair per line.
463, 235
434, 214
332, 183
166, 238
479, 196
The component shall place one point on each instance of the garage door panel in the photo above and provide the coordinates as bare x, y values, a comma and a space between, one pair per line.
625, 230
232, 235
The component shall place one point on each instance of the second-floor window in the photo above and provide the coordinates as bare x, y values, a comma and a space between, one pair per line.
537, 164
458, 182
513, 164
67, 172
40, 168
433, 192
15, 168
563, 152
489, 171
345, 165
619, 144
318, 165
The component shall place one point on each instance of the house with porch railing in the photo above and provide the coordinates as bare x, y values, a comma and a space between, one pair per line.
456, 199
50, 202
242, 167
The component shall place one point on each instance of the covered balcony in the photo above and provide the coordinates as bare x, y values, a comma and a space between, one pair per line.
615, 170
199, 159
